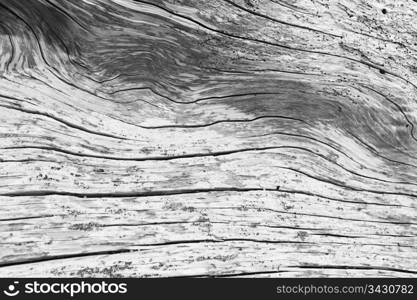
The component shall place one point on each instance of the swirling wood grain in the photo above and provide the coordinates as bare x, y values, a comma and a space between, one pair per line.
208, 138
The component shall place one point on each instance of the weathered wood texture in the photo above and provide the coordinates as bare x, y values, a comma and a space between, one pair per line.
195, 138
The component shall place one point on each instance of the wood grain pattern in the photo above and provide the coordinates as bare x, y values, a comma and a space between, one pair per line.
208, 138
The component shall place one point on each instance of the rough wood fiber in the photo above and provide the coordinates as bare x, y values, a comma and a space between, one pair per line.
208, 138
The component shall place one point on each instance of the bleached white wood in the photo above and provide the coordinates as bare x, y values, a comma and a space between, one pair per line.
208, 138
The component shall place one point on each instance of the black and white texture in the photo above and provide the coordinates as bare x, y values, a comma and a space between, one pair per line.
208, 138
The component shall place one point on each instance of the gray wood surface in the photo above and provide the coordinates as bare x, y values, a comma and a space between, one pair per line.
208, 138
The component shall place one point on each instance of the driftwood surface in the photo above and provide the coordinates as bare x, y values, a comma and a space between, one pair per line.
208, 138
